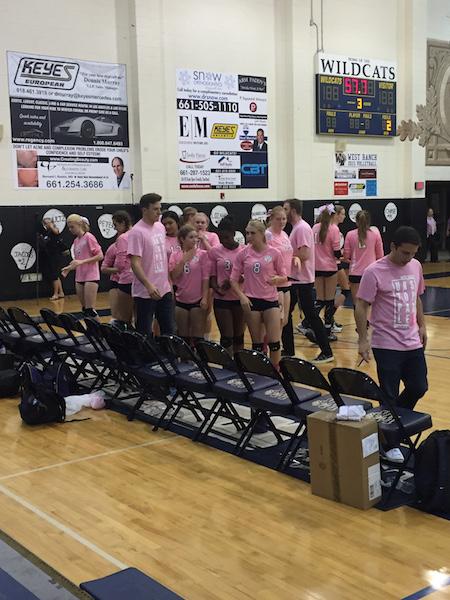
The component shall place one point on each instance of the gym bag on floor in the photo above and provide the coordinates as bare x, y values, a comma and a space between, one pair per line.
9, 377
43, 392
432, 472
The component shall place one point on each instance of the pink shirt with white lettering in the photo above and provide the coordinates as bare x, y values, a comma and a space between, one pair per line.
257, 269
324, 252
123, 262
281, 242
172, 244
221, 261
302, 237
212, 238
148, 242
189, 283
392, 290
84, 247
362, 255
108, 261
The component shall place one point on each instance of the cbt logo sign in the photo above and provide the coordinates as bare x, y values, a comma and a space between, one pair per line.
38, 72
24, 255
254, 171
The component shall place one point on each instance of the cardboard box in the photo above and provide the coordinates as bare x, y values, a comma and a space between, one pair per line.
344, 459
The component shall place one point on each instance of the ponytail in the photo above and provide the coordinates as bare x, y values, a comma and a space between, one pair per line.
325, 220
363, 223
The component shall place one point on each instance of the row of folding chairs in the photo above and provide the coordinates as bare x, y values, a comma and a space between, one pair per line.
169, 371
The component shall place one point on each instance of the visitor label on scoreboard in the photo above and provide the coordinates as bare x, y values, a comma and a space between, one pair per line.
69, 123
355, 174
355, 96
222, 130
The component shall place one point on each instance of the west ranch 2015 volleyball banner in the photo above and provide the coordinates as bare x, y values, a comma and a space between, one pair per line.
222, 130
69, 121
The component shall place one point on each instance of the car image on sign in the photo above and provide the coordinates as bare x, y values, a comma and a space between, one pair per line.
89, 128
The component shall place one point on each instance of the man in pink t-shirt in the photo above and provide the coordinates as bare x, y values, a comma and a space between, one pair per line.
151, 288
302, 243
392, 286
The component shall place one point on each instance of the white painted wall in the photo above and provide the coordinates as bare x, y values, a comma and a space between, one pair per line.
272, 38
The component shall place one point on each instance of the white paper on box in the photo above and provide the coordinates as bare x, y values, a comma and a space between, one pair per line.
374, 481
370, 445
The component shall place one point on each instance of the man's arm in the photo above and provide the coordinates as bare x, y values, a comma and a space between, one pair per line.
361, 314
421, 322
303, 253
136, 266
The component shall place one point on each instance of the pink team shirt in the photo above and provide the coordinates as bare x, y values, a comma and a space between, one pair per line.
84, 247
281, 242
392, 291
221, 262
212, 238
361, 256
123, 263
148, 242
172, 244
324, 253
258, 268
189, 283
108, 261
302, 237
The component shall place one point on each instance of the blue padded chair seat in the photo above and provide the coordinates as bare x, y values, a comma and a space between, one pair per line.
69, 343
412, 421
10, 589
194, 380
326, 402
129, 584
37, 338
276, 399
234, 390
151, 372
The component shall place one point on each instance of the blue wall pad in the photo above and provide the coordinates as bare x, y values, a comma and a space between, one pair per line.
10, 589
129, 583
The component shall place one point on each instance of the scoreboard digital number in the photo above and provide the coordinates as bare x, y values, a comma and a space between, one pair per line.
348, 103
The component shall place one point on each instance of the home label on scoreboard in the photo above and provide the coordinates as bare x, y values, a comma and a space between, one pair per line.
355, 96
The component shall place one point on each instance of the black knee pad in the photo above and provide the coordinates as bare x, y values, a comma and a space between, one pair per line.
226, 341
346, 293
90, 312
258, 347
238, 340
274, 346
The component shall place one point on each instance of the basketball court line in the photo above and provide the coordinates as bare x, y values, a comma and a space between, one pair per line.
63, 528
92, 456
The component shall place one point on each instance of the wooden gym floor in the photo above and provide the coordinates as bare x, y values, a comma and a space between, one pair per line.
93, 497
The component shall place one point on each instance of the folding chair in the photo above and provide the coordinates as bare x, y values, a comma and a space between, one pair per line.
397, 426
297, 371
278, 399
106, 358
9, 336
34, 342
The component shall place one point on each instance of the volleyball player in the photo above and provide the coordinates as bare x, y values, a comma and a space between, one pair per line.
171, 222
342, 265
122, 222
206, 239
188, 216
108, 268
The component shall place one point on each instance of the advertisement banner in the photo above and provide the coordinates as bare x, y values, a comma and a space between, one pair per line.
355, 174
69, 123
222, 130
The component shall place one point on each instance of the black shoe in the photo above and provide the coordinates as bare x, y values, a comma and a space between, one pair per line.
323, 359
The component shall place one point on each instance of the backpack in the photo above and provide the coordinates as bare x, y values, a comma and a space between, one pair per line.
43, 392
432, 472
9, 377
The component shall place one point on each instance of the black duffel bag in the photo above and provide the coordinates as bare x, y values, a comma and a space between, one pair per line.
9, 377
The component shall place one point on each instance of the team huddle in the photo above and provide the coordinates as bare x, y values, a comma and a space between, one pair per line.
165, 258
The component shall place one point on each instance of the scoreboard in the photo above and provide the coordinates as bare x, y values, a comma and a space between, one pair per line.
355, 97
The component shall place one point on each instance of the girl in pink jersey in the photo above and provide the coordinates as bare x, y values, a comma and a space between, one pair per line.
342, 265
189, 271
263, 269
363, 246
122, 223
171, 222
88, 254
326, 252
206, 239
108, 268
278, 238
227, 306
